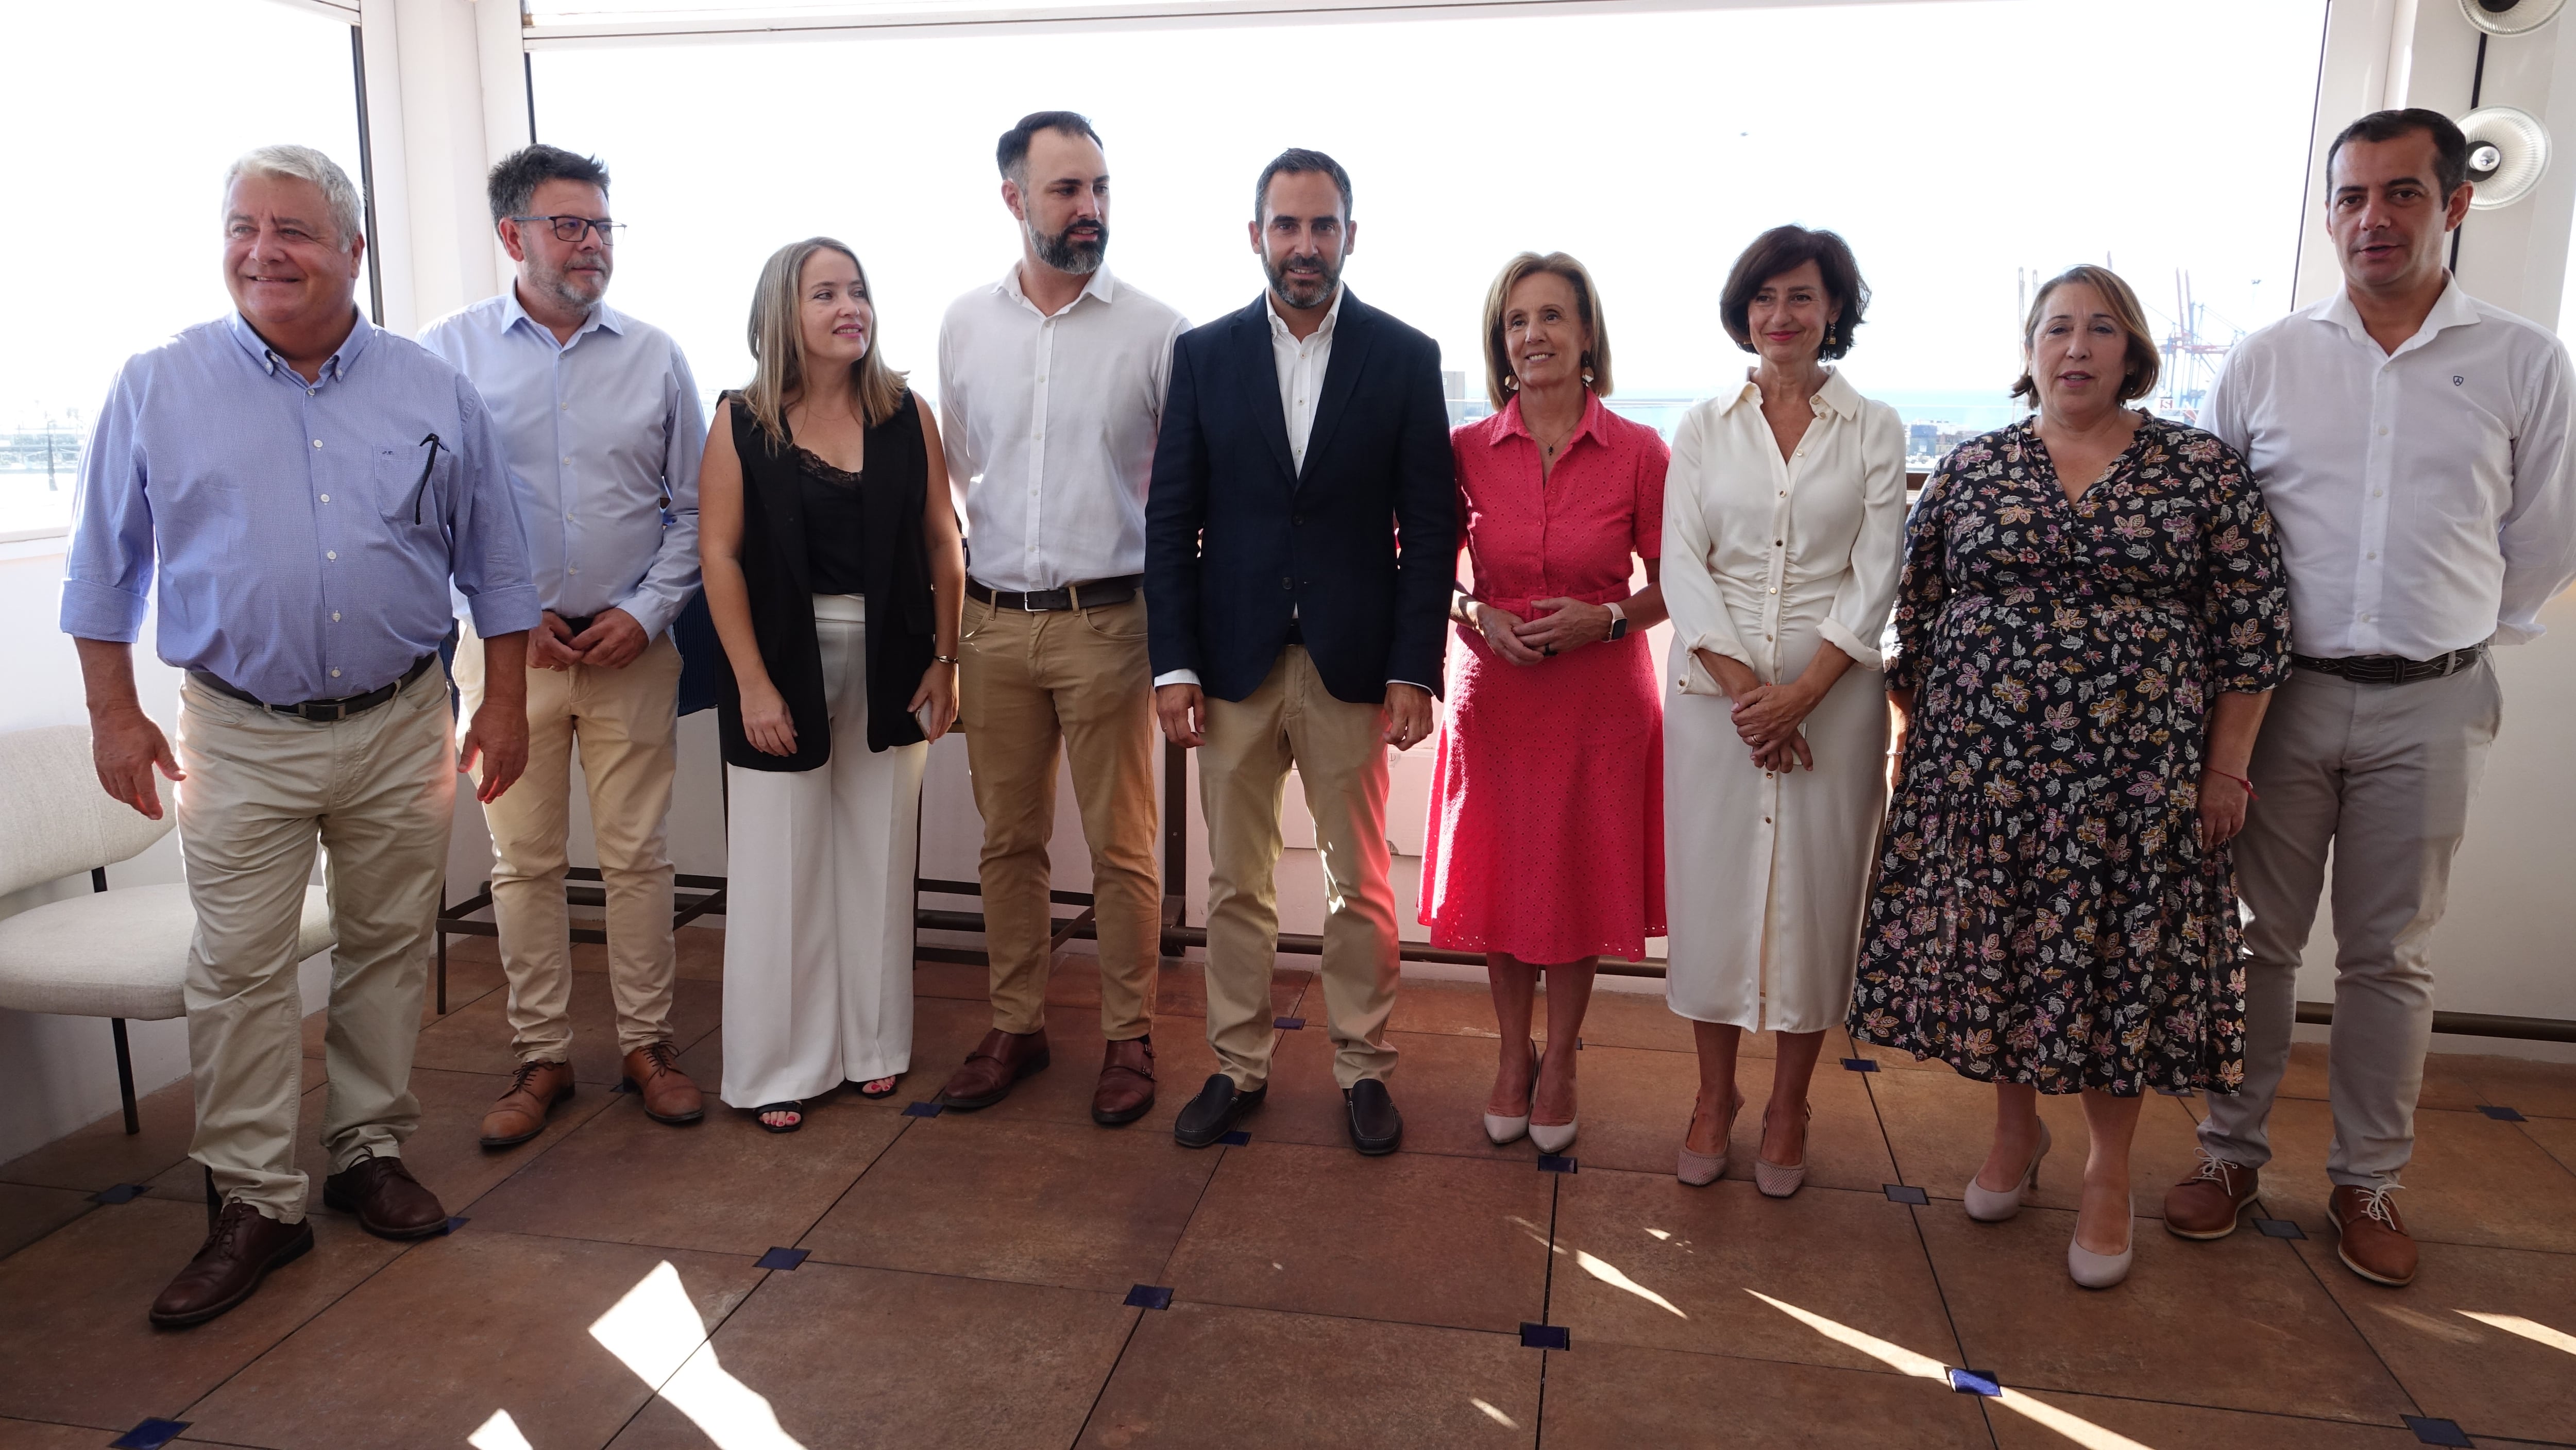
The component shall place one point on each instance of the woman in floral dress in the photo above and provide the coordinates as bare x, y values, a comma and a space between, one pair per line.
2091, 615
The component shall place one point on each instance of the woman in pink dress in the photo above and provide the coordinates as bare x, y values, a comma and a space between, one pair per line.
1546, 841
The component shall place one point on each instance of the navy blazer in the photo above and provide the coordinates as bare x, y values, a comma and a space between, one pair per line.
1362, 544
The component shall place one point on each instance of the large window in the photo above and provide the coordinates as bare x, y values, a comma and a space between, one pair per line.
1964, 149
118, 236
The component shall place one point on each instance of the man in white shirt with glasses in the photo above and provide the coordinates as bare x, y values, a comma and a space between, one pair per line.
2412, 444
1050, 397
601, 420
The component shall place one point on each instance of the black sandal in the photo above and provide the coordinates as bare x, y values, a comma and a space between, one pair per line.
892, 1081
759, 1115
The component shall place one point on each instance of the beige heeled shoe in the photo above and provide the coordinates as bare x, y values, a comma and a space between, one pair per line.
2101, 1271
1778, 1180
1702, 1169
1551, 1138
1989, 1205
1499, 1129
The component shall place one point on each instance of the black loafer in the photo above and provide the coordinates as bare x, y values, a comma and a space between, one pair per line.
1215, 1111
1376, 1127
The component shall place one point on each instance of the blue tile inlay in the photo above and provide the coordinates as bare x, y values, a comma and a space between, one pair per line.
150, 1435
921, 1110
1976, 1382
2437, 1432
2501, 1114
1552, 1163
118, 1193
1859, 1064
780, 1259
1906, 1193
1544, 1336
1236, 1139
1149, 1296
1289, 1024
2280, 1228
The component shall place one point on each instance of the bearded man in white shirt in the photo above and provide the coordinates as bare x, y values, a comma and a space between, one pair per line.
1050, 395
2411, 442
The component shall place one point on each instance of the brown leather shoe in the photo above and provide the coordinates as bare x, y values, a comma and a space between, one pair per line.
2210, 1203
520, 1114
388, 1201
1126, 1090
669, 1096
994, 1068
2375, 1242
242, 1247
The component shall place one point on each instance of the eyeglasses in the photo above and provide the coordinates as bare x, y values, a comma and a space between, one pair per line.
570, 228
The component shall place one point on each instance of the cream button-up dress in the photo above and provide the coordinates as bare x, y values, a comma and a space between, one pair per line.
1766, 559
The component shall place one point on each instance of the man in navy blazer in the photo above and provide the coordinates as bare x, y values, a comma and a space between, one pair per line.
1300, 543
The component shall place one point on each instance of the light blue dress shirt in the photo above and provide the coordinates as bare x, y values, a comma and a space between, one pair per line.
306, 533
600, 431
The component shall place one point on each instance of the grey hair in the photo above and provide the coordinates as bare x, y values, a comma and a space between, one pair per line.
303, 163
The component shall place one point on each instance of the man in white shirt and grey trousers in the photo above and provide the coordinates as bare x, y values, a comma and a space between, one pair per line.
601, 420
1050, 397
2412, 443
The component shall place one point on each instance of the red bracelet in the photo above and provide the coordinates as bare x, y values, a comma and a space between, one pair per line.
2240, 780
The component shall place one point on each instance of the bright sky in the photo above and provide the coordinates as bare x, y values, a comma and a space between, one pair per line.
1952, 143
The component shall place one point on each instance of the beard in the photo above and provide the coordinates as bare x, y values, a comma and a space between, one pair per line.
579, 291
1077, 256
1304, 289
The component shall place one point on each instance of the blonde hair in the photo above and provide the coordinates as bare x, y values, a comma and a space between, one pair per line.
2143, 362
1587, 305
778, 343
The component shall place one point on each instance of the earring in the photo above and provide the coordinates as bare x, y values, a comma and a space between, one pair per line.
1587, 377
1829, 336
1511, 382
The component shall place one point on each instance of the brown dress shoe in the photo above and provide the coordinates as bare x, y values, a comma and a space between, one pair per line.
521, 1112
669, 1096
239, 1250
2375, 1242
2210, 1203
388, 1201
1126, 1090
994, 1068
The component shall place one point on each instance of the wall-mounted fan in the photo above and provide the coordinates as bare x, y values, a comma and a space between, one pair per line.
2508, 152
2510, 17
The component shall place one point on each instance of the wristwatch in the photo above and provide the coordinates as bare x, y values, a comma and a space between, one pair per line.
1618, 622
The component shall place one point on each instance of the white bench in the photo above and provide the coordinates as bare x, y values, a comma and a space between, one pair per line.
113, 954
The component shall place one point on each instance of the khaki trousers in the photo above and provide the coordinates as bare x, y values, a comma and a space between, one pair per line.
626, 720
2381, 775
1340, 752
1027, 682
377, 791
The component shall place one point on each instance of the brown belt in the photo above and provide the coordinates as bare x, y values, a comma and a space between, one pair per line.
1090, 594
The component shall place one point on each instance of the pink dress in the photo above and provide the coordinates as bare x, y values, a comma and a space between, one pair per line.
1546, 837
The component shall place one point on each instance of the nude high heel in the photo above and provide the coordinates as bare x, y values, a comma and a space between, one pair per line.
1778, 1180
1988, 1205
1702, 1169
2101, 1271
1499, 1129
1551, 1137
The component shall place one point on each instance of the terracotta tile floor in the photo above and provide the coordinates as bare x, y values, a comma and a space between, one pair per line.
967, 1275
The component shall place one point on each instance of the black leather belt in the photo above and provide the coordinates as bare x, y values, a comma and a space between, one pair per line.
579, 624
1090, 594
323, 710
2391, 669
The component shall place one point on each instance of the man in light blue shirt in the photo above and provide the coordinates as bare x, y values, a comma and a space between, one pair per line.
601, 422
301, 490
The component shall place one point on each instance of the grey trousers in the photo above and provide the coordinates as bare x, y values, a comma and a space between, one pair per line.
2382, 775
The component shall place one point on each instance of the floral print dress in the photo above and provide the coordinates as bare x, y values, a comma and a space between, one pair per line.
2044, 913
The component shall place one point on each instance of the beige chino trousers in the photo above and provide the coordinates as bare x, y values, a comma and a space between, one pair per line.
1028, 684
2381, 776
626, 722
1339, 750
377, 791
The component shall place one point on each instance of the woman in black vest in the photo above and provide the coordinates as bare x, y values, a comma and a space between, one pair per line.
835, 577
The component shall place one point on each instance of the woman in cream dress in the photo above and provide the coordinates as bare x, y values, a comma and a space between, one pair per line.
1784, 522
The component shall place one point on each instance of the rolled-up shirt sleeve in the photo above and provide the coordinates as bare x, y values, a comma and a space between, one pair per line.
664, 591
107, 576
1857, 620
1701, 620
489, 539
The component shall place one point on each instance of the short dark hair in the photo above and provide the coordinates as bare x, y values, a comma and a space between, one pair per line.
1012, 154
1786, 249
1297, 161
2450, 148
512, 186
